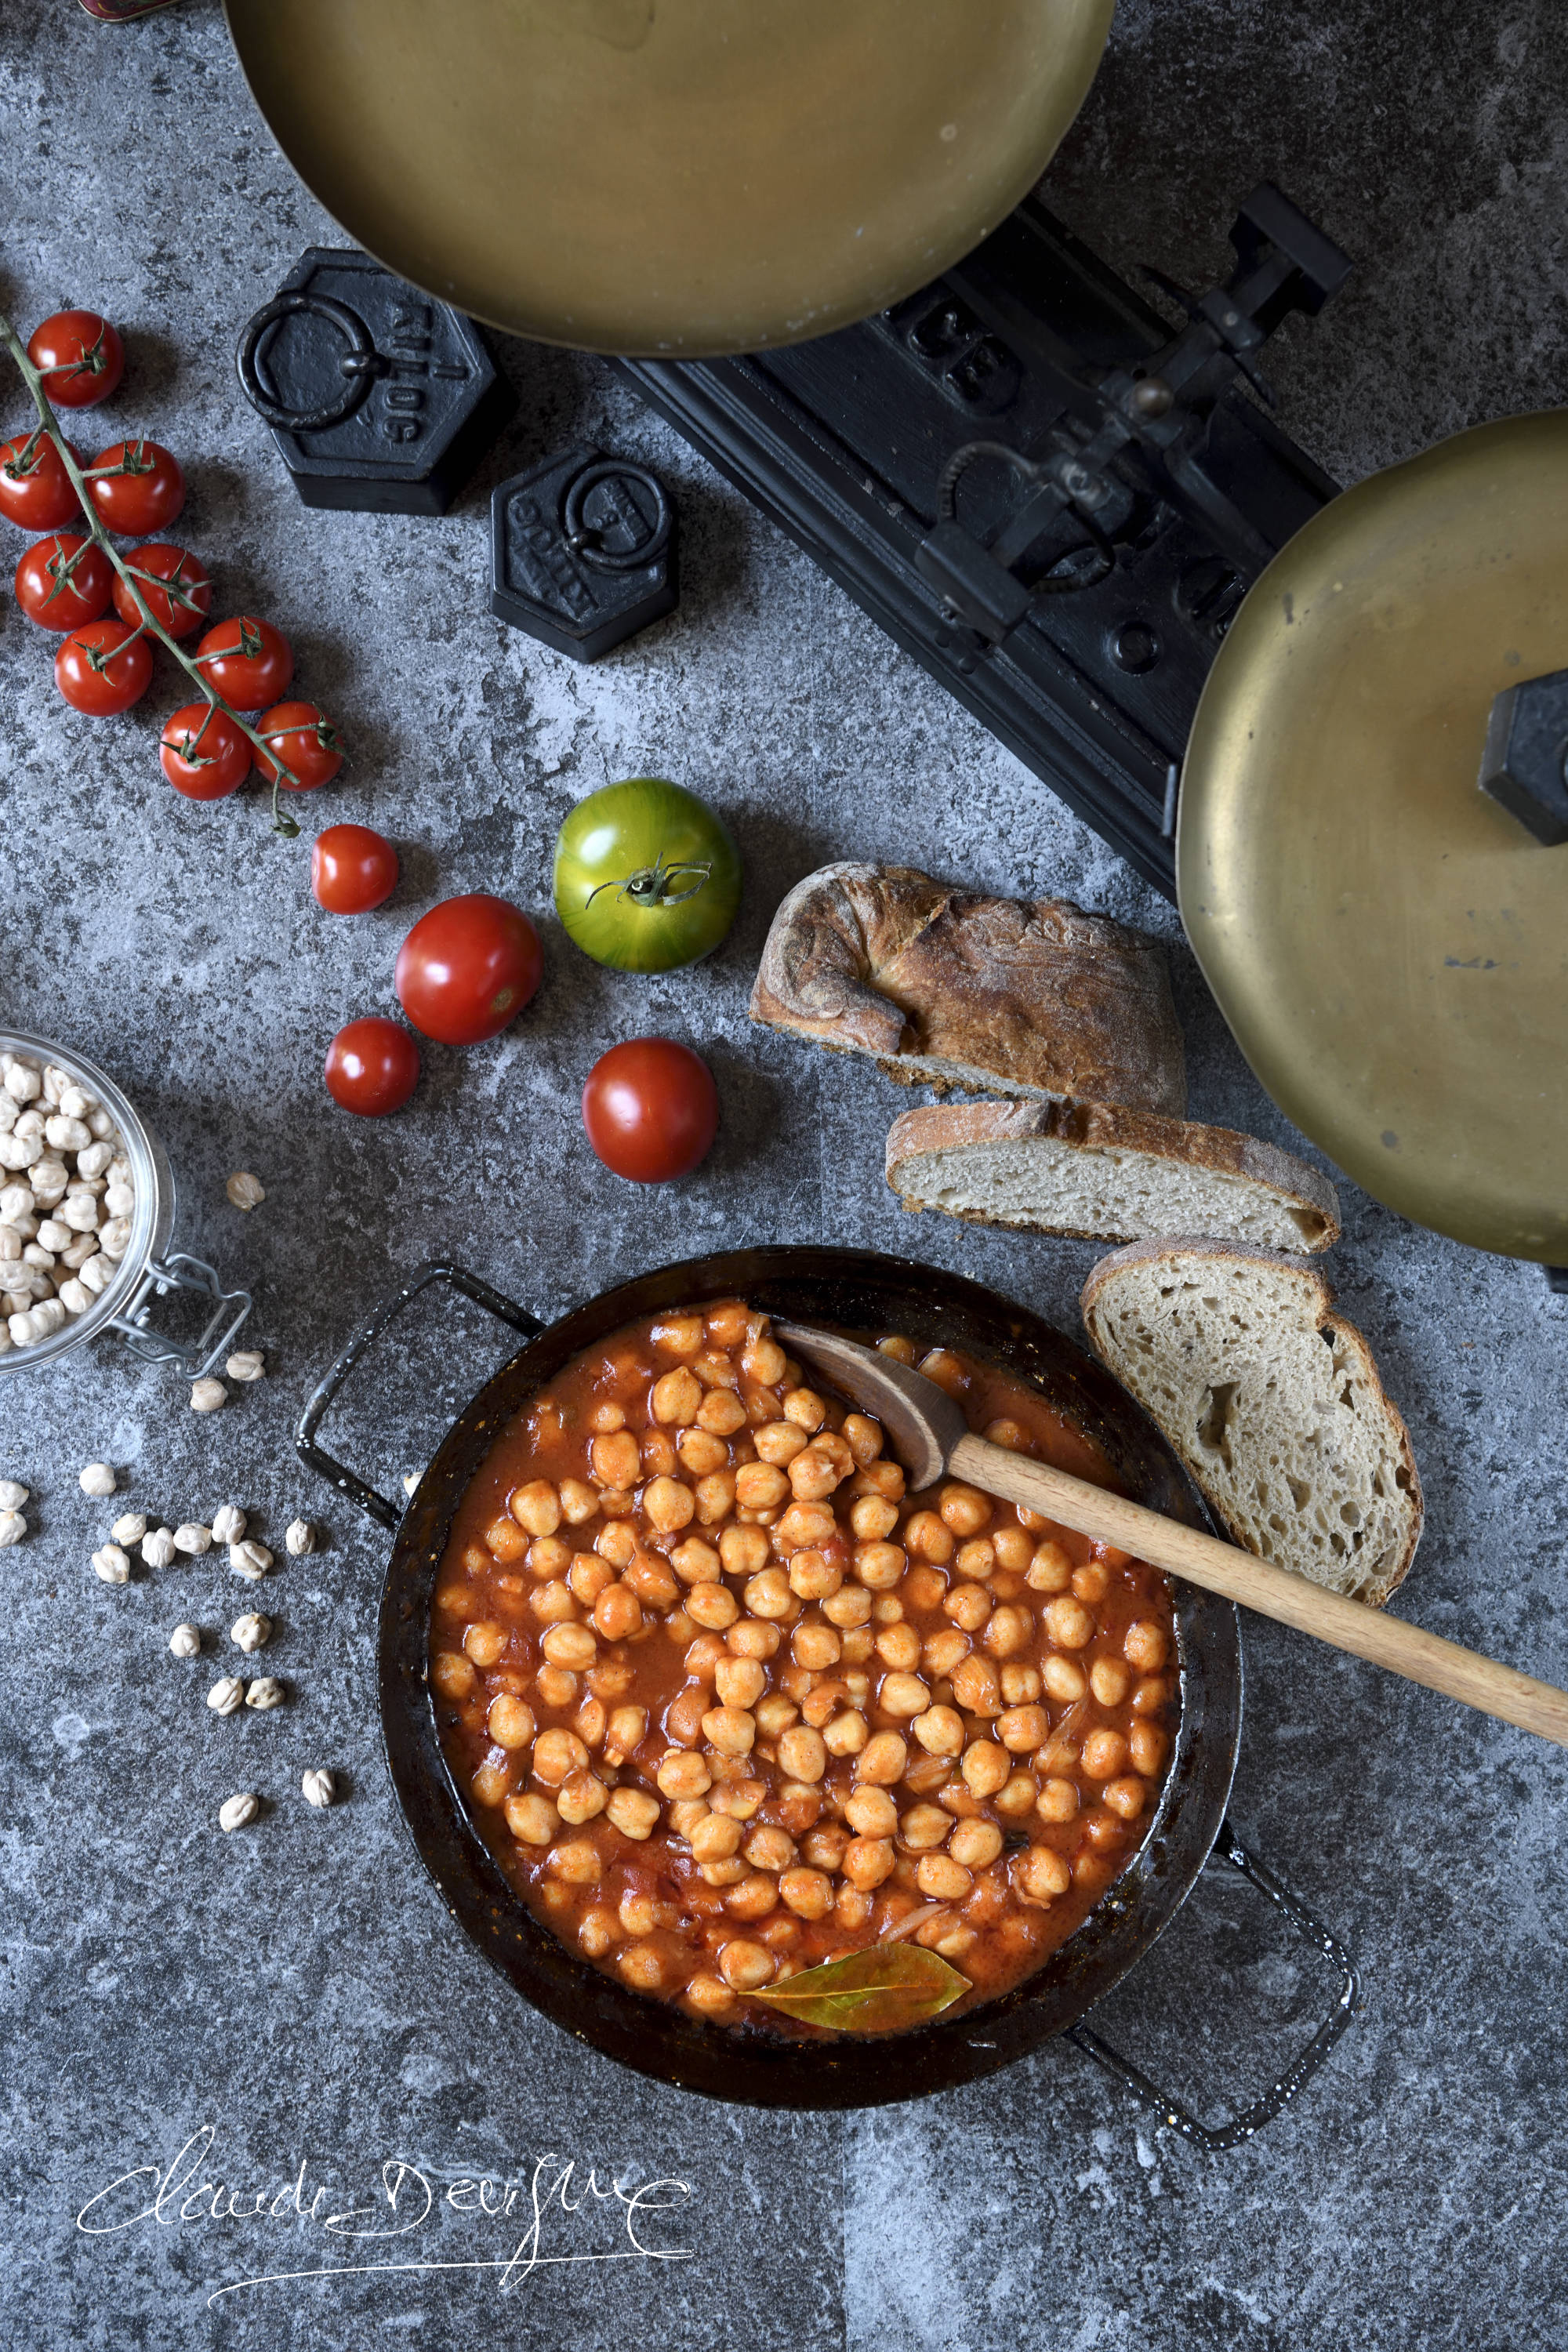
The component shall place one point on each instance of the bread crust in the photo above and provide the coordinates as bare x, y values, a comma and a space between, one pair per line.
1321, 1298
1091, 1126
974, 991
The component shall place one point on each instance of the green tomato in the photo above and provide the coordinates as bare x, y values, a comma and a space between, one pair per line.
647, 877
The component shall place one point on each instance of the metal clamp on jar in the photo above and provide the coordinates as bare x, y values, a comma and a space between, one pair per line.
148, 1269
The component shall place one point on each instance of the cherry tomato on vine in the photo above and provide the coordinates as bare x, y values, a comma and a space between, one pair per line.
352, 869
651, 1110
305, 741
178, 592
248, 661
468, 967
203, 752
373, 1067
80, 356
137, 487
34, 488
63, 581
103, 668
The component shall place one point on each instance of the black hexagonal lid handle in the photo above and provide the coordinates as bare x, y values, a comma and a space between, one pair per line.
1525, 764
583, 551
380, 400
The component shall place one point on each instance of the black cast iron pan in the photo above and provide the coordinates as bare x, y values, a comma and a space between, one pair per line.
858, 1291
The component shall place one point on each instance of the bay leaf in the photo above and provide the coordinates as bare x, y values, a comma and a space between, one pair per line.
874, 1991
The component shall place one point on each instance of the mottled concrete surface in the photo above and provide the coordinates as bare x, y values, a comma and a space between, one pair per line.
298, 1988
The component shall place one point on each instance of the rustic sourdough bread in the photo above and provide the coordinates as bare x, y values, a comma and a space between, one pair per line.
1106, 1174
948, 988
1272, 1402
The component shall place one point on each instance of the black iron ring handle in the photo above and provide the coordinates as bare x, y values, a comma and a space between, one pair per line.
348, 1482
360, 365
579, 536
1213, 2138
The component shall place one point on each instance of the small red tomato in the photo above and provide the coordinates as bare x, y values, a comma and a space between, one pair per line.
137, 487
352, 869
248, 661
651, 1110
103, 668
306, 742
178, 592
63, 581
204, 755
468, 967
373, 1067
34, 488
80, 356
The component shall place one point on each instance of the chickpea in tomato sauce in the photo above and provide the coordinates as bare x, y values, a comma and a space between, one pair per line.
727, 1702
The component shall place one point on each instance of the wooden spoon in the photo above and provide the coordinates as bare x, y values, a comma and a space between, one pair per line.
930, 1438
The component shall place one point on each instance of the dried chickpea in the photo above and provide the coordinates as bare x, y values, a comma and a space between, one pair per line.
1144, 1645
883, 1759
1057, 1801
927, 1537
985, 1767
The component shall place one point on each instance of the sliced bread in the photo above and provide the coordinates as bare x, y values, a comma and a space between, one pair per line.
1106, 1174
949, 988
1272, 1402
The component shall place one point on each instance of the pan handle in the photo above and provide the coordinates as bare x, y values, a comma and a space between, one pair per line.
1213, 2138
337, 1473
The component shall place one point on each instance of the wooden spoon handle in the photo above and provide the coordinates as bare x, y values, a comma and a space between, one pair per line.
1404, 1648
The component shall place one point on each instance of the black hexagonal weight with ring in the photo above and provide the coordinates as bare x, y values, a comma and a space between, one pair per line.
583, 551
1525, 762
380, 400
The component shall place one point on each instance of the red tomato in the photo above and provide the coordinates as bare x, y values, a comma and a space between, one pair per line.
352, 869
181, 606
651, 1110
373, 1067
103, 668
468, 967
80, 356
137, 487
63, 581
248, 661
305, 741
34, 488
204, 755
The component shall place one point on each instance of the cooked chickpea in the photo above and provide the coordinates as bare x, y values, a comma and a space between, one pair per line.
532, 1821
588, 1576
811, 1475
846, 1733
769, 1596
802, 1753
713, 1605
743, 1550
616, 1460
453, 1675
536, 1506
1020, 1682
1064, 1680
680, 1335
899, 1645
702, 1656
775, 1714
969, 1606
808, 1893
617, 1543
760, 1487
940, 1653
923, 1828
549, 1556
1057, 1801
753, 1896
1067, 1621
883, 1759
985, 1767
974, 1843
1144, 1645
731, 1324
553, 1603
739, 1682
682, 1775
903, 1695
806, 1409
721, 1413
1090, 1583
627, 1729
884, 1478
871, 1812
1014, 1548
669, 1504
1007, 1631
976, 1686
867, 1860
488, 1784
715, 1497
597, 1931
580, 1796
1103, 1754
753, 1638
1017, 1796
715, 1370
745, 1966
507, 1541
1022, 1728
1146, 1745
813, 1576
714, 1838
675, 1398
1008, 1432
804, 1527
588, 1723
571, 1645
977, 1557
879, 1566
964, 1508
578, 1502
848, 1607
642, 1967
555, 1754
1109, 1681
556, 1686
484, 1642
730, 1730
617, 1613
510, 1722
1125, 1797
700, 1453
1040, 1875
942, 1879
927, 1537
696, 1562
633, 1812
940, 1731
779, 1441
1050, 1568
1104, 1831
1149, 1694
710, 1996
863, 1436
815, 1647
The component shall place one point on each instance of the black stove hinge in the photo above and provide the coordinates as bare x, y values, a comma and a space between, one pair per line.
1149, 440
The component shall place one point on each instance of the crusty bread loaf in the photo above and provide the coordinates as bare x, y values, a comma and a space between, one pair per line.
1272, 1402
1106, 1174
947, 988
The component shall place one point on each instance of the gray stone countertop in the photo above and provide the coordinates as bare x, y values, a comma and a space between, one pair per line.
295, 1997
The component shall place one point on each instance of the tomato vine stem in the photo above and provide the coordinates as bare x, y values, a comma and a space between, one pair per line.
48, 427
